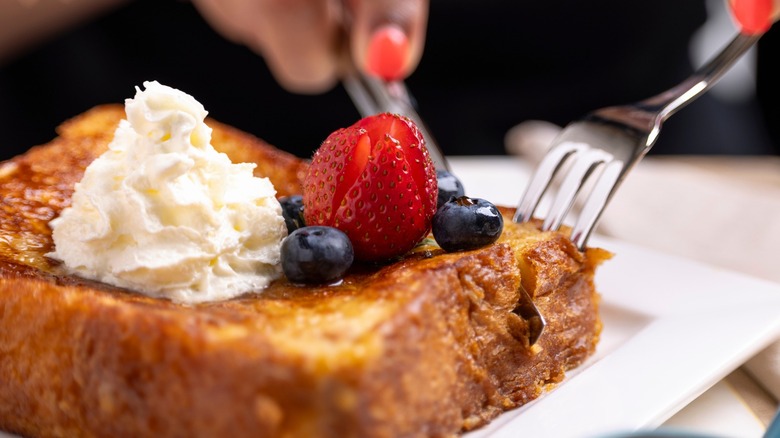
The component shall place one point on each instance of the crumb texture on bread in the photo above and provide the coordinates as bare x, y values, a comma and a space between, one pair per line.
426, 346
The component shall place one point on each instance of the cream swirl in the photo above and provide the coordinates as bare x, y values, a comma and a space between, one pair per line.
163, 213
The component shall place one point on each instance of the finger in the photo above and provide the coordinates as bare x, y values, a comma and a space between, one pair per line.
218, 14
372, 17
387, 53
299, 39
753, 16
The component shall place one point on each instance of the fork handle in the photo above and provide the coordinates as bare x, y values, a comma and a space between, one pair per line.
754, 18
677, 97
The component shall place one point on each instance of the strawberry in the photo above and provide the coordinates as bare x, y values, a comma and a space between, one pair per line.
374, 181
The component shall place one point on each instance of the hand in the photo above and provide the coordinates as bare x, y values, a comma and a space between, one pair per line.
304, 42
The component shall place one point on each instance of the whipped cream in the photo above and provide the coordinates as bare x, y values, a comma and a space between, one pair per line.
163, 213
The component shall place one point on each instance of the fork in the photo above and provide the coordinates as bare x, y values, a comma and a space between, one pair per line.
602, 147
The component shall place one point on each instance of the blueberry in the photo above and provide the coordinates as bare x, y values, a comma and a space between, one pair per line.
449, 186
466, 223
316, 255
292, 210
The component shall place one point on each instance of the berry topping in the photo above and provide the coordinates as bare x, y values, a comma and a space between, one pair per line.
449, 187
292, 210
467, 223
316, 255
376, 182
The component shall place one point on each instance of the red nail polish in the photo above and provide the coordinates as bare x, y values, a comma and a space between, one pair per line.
388, 50
753, 16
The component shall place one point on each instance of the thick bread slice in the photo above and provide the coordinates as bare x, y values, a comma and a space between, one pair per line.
426, 346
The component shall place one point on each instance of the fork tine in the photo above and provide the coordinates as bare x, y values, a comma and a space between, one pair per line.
552, 162
586, 162
600, 195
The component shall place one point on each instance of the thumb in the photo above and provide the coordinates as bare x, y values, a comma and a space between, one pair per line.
387, 36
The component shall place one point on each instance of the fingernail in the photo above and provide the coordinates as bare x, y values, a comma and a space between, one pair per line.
753, 16
388, 50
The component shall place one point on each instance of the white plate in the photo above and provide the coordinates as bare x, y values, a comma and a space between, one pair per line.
672, 329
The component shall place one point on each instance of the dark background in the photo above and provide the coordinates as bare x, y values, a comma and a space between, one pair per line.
488, 65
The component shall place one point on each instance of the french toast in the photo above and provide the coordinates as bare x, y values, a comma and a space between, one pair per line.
427, 345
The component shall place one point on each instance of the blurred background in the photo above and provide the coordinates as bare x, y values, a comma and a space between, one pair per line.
488, 66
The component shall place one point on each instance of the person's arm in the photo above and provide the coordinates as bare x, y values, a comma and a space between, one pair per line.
303, 41
26, 22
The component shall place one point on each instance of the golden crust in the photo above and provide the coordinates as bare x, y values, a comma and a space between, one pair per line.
425, 346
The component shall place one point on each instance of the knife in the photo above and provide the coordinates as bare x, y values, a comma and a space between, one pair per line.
373, 95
